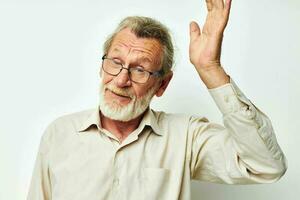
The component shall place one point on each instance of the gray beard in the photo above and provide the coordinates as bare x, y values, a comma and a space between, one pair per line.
113, 110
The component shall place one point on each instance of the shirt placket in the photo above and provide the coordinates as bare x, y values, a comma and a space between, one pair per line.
117, 175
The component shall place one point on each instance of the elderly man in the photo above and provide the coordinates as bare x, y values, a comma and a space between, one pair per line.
124, 150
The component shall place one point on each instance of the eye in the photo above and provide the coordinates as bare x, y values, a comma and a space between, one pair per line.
117, 61
138, 69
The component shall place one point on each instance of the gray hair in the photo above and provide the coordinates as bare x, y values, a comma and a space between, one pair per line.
146, 27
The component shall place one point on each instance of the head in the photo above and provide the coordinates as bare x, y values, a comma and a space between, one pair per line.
138, 42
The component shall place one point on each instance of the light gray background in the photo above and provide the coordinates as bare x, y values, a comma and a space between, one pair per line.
50, 53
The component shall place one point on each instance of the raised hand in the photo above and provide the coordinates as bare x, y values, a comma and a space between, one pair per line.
205, 45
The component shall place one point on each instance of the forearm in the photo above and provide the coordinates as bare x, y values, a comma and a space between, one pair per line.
259, 155
242, 151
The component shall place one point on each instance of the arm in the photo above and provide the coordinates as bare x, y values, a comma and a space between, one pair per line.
40, 186
245, 149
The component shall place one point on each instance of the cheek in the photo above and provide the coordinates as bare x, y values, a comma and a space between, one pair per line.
141, 91
106, 78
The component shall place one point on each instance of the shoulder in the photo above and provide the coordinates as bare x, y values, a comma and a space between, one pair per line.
170, 117
164, 117
177, 121
72, 120
66, 124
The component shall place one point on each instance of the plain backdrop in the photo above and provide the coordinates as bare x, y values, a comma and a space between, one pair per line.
50, 53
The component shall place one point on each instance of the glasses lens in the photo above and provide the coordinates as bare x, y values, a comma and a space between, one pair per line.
139, 75
111, 67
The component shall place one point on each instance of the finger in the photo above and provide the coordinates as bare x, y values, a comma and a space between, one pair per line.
227, 5
195, 31
227, 8
219, 4
209, 5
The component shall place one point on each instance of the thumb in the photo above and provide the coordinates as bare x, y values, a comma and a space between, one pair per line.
195, 31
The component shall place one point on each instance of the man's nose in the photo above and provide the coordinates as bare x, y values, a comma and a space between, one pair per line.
122, 79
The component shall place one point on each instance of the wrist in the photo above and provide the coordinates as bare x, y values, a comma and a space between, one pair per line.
213, 76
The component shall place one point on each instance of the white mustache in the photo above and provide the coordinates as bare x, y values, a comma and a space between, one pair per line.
122, 92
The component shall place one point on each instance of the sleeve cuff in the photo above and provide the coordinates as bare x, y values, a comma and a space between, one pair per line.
229, 98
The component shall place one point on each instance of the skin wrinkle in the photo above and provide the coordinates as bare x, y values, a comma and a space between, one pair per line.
142, 59
134, 46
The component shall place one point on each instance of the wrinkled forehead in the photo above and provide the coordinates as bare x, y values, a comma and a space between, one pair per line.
127, 43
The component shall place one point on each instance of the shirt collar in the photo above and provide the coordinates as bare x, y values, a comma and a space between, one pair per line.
92, 119
149, 119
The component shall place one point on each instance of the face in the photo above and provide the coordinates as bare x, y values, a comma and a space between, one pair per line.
120, 98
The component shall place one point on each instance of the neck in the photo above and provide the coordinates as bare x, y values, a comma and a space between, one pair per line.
119, 128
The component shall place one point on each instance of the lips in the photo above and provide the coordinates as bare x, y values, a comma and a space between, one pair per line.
118, 94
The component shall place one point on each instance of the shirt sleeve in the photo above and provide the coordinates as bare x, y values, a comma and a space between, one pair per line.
40, 186
242, 151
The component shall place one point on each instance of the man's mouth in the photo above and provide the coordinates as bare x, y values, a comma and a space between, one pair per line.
118, 94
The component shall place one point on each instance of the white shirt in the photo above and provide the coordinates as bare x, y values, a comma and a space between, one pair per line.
78, 160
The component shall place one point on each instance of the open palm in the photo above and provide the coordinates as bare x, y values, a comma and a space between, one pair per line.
205, 45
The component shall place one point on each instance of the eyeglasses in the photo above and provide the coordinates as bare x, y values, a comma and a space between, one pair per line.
136, 74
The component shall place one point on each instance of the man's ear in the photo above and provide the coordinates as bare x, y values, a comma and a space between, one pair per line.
164, 84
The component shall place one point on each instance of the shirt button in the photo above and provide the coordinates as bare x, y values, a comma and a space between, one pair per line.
116, 181
226, 99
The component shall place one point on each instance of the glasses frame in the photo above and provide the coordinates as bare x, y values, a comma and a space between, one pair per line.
155, 73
